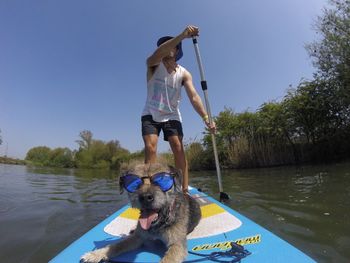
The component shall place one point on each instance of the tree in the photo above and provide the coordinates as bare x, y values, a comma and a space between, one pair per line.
39, 155
331, 54
99, 154
61, 157
0, 138
86, 139
44, 156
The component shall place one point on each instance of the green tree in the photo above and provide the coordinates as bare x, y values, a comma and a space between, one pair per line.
61, 157
225, 138
85, 139
276, 130
196, 156
272, 121
99, 154
0, 138
254, 139
331, 52
311, 108
331, 55
312, 122
39, 156
236, 137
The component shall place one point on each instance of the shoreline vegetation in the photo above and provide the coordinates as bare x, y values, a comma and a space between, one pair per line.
8, 160
311, 124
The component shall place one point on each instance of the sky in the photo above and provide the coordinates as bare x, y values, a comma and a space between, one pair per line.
68, 66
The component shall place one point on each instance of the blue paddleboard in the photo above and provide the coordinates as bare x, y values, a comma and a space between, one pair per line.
219, 226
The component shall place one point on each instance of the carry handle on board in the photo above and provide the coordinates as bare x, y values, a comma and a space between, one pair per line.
223, 196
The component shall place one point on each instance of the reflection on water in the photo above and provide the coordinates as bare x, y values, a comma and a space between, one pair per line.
74, 186
43, 210
308, 207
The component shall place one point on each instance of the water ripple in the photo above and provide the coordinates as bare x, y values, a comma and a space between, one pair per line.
6, 204
308, 207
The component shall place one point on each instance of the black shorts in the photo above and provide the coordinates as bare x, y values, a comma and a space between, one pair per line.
169, 128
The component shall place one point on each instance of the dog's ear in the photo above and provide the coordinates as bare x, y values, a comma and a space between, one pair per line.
121, 184
124, 169
177, 178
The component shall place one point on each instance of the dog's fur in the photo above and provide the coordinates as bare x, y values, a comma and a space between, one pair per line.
173, 216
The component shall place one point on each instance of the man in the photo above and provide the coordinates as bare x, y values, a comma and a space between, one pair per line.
165, 79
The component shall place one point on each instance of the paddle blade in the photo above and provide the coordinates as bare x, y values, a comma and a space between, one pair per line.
224, 197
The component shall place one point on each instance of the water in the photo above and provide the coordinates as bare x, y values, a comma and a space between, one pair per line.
44, 210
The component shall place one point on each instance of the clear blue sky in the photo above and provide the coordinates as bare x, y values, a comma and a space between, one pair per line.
68, 66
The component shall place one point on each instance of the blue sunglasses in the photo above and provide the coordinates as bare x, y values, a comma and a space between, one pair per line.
132, 182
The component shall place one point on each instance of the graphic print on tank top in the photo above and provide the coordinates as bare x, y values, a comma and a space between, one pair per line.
164, 94
165, 97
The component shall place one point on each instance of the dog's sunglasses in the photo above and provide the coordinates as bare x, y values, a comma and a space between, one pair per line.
132, 182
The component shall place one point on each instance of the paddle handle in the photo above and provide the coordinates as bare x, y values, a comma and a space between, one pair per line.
207, 105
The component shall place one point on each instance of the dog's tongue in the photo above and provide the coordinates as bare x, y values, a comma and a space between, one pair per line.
146, 218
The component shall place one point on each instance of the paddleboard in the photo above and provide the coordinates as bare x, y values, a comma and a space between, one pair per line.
211, 239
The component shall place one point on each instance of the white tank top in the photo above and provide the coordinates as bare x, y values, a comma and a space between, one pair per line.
164, 94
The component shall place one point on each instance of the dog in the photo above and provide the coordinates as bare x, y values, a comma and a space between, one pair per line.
167, 214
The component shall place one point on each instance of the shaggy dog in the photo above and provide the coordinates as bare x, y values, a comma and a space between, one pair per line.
166, 214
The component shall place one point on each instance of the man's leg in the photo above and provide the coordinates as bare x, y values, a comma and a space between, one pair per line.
150, 141
150, 133
180, 158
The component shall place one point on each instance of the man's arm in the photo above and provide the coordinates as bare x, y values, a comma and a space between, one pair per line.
196, 100
192, 94
164, 49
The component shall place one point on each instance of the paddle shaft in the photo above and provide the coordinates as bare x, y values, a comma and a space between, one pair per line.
205, 90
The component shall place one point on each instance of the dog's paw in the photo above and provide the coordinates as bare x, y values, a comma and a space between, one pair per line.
96, 256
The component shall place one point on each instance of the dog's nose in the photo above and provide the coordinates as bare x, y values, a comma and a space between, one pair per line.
146, 198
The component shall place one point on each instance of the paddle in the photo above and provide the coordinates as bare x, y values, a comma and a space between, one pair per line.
223, 195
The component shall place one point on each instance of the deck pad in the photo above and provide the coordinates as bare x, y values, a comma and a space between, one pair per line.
219, 226
215, 220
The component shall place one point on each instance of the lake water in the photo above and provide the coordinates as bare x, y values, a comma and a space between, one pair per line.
43, 210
